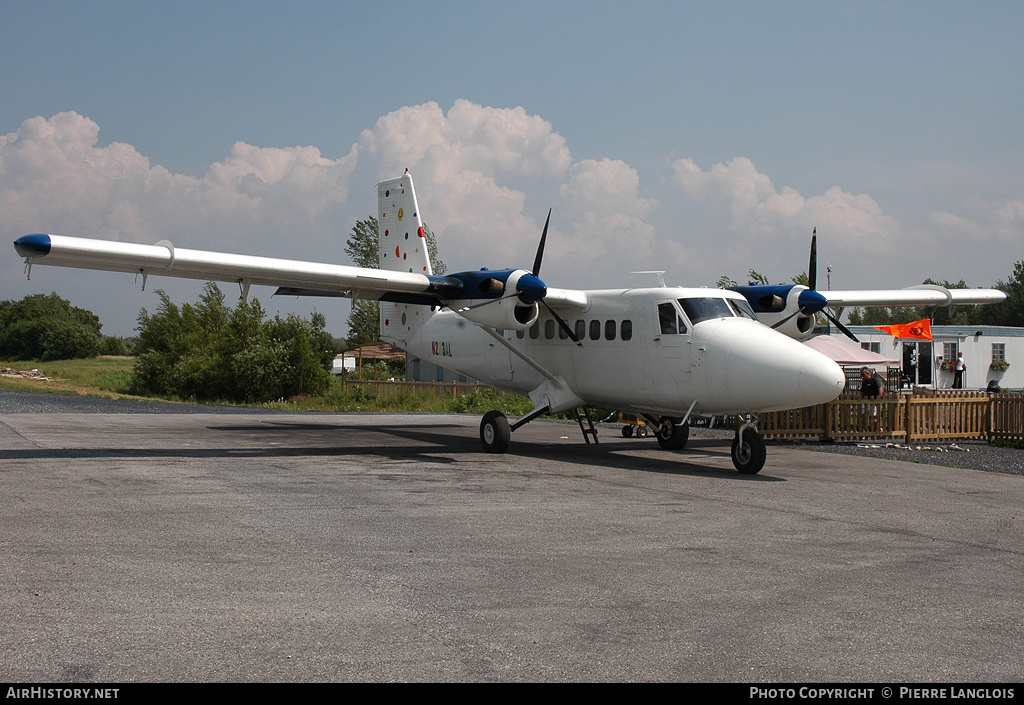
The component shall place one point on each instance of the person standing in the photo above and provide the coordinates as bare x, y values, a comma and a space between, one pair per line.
959, 367
869, 388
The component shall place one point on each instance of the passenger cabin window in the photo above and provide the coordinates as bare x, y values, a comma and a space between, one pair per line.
609, 330
535, 331
626, 330
671, 322
549, 329
595, 330
698, 310
581, 329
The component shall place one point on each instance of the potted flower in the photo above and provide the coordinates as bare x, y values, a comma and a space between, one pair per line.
999, 365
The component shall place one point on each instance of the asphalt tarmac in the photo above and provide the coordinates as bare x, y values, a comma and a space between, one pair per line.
258, 546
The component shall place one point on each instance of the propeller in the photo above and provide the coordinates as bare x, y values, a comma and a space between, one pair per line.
536, 273
530, 289
812, 279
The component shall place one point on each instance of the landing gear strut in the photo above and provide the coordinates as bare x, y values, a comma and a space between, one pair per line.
748, 450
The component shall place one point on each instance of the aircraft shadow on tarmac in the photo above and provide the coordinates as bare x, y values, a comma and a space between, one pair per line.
432, 442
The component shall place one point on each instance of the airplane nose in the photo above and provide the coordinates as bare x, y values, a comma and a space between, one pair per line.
764, 370
821, 379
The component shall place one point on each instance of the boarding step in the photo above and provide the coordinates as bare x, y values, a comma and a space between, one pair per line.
588, 430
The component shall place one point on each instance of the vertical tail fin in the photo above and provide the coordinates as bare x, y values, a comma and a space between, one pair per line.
403, 248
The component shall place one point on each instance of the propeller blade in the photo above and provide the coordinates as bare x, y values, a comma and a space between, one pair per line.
812, 266
565, 326
540, 248
513, 295
840, 326
783, 321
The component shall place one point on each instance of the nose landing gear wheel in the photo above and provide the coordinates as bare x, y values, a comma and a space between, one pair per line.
673, 435
748, 455
495, 434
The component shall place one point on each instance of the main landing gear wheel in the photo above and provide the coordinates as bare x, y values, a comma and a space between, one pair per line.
627, 431
495, 434
673, 435
749, 455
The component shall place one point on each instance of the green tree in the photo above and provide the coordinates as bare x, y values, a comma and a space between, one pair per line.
364, 249
41, 327
209, 351
1011, 311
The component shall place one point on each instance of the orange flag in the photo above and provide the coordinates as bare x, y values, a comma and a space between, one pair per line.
918, 329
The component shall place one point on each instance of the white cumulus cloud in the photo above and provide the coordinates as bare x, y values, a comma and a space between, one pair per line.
460, 161
54, 177
756, 206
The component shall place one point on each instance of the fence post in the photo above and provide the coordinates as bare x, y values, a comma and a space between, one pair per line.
907, 420
989, 424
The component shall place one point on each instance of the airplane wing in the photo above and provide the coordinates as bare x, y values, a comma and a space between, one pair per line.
923, 295
293, 276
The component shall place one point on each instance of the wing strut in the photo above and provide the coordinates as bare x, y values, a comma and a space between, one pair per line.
517, 352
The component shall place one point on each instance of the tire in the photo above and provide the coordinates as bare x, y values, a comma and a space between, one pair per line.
495, 435
675, 436
627, 431
641, 432
749, 458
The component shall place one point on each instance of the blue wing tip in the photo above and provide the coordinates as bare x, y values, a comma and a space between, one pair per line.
37, 245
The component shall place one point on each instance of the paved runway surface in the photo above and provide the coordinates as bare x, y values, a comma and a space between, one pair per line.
337, 547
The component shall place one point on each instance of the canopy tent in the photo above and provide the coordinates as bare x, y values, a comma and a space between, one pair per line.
849, 355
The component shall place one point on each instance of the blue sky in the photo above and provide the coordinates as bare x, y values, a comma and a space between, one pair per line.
699, 138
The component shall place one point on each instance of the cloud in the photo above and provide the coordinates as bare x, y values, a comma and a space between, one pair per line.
606, 213
755, 206
54, 177
492, 141
1001, 222
464, 156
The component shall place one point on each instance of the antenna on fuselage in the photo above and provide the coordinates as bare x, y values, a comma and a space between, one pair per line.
660, 273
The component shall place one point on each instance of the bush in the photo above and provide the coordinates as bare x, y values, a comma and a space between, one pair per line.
208, 351
41, 327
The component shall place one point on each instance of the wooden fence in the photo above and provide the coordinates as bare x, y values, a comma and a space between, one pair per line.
1006, 417
924, 414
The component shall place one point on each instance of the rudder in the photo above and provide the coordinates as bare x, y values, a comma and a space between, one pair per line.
403, 248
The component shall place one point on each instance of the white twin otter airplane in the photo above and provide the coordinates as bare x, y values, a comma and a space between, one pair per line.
663, 353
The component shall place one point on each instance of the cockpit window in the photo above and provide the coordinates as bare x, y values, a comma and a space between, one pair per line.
698, 310
742, 308
670, 320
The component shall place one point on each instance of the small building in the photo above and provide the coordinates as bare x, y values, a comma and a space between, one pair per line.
354, 359
990, 353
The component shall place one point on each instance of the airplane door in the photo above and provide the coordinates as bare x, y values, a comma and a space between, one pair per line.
500, 359
917, 362
666, 350
910, 361
925, 362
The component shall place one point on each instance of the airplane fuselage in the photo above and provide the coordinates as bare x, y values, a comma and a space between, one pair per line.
653, 350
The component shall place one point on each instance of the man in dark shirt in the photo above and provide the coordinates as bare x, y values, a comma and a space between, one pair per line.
869, 385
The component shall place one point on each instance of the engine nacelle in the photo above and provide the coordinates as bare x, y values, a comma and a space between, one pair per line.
799, 326
508, 313
772, 308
